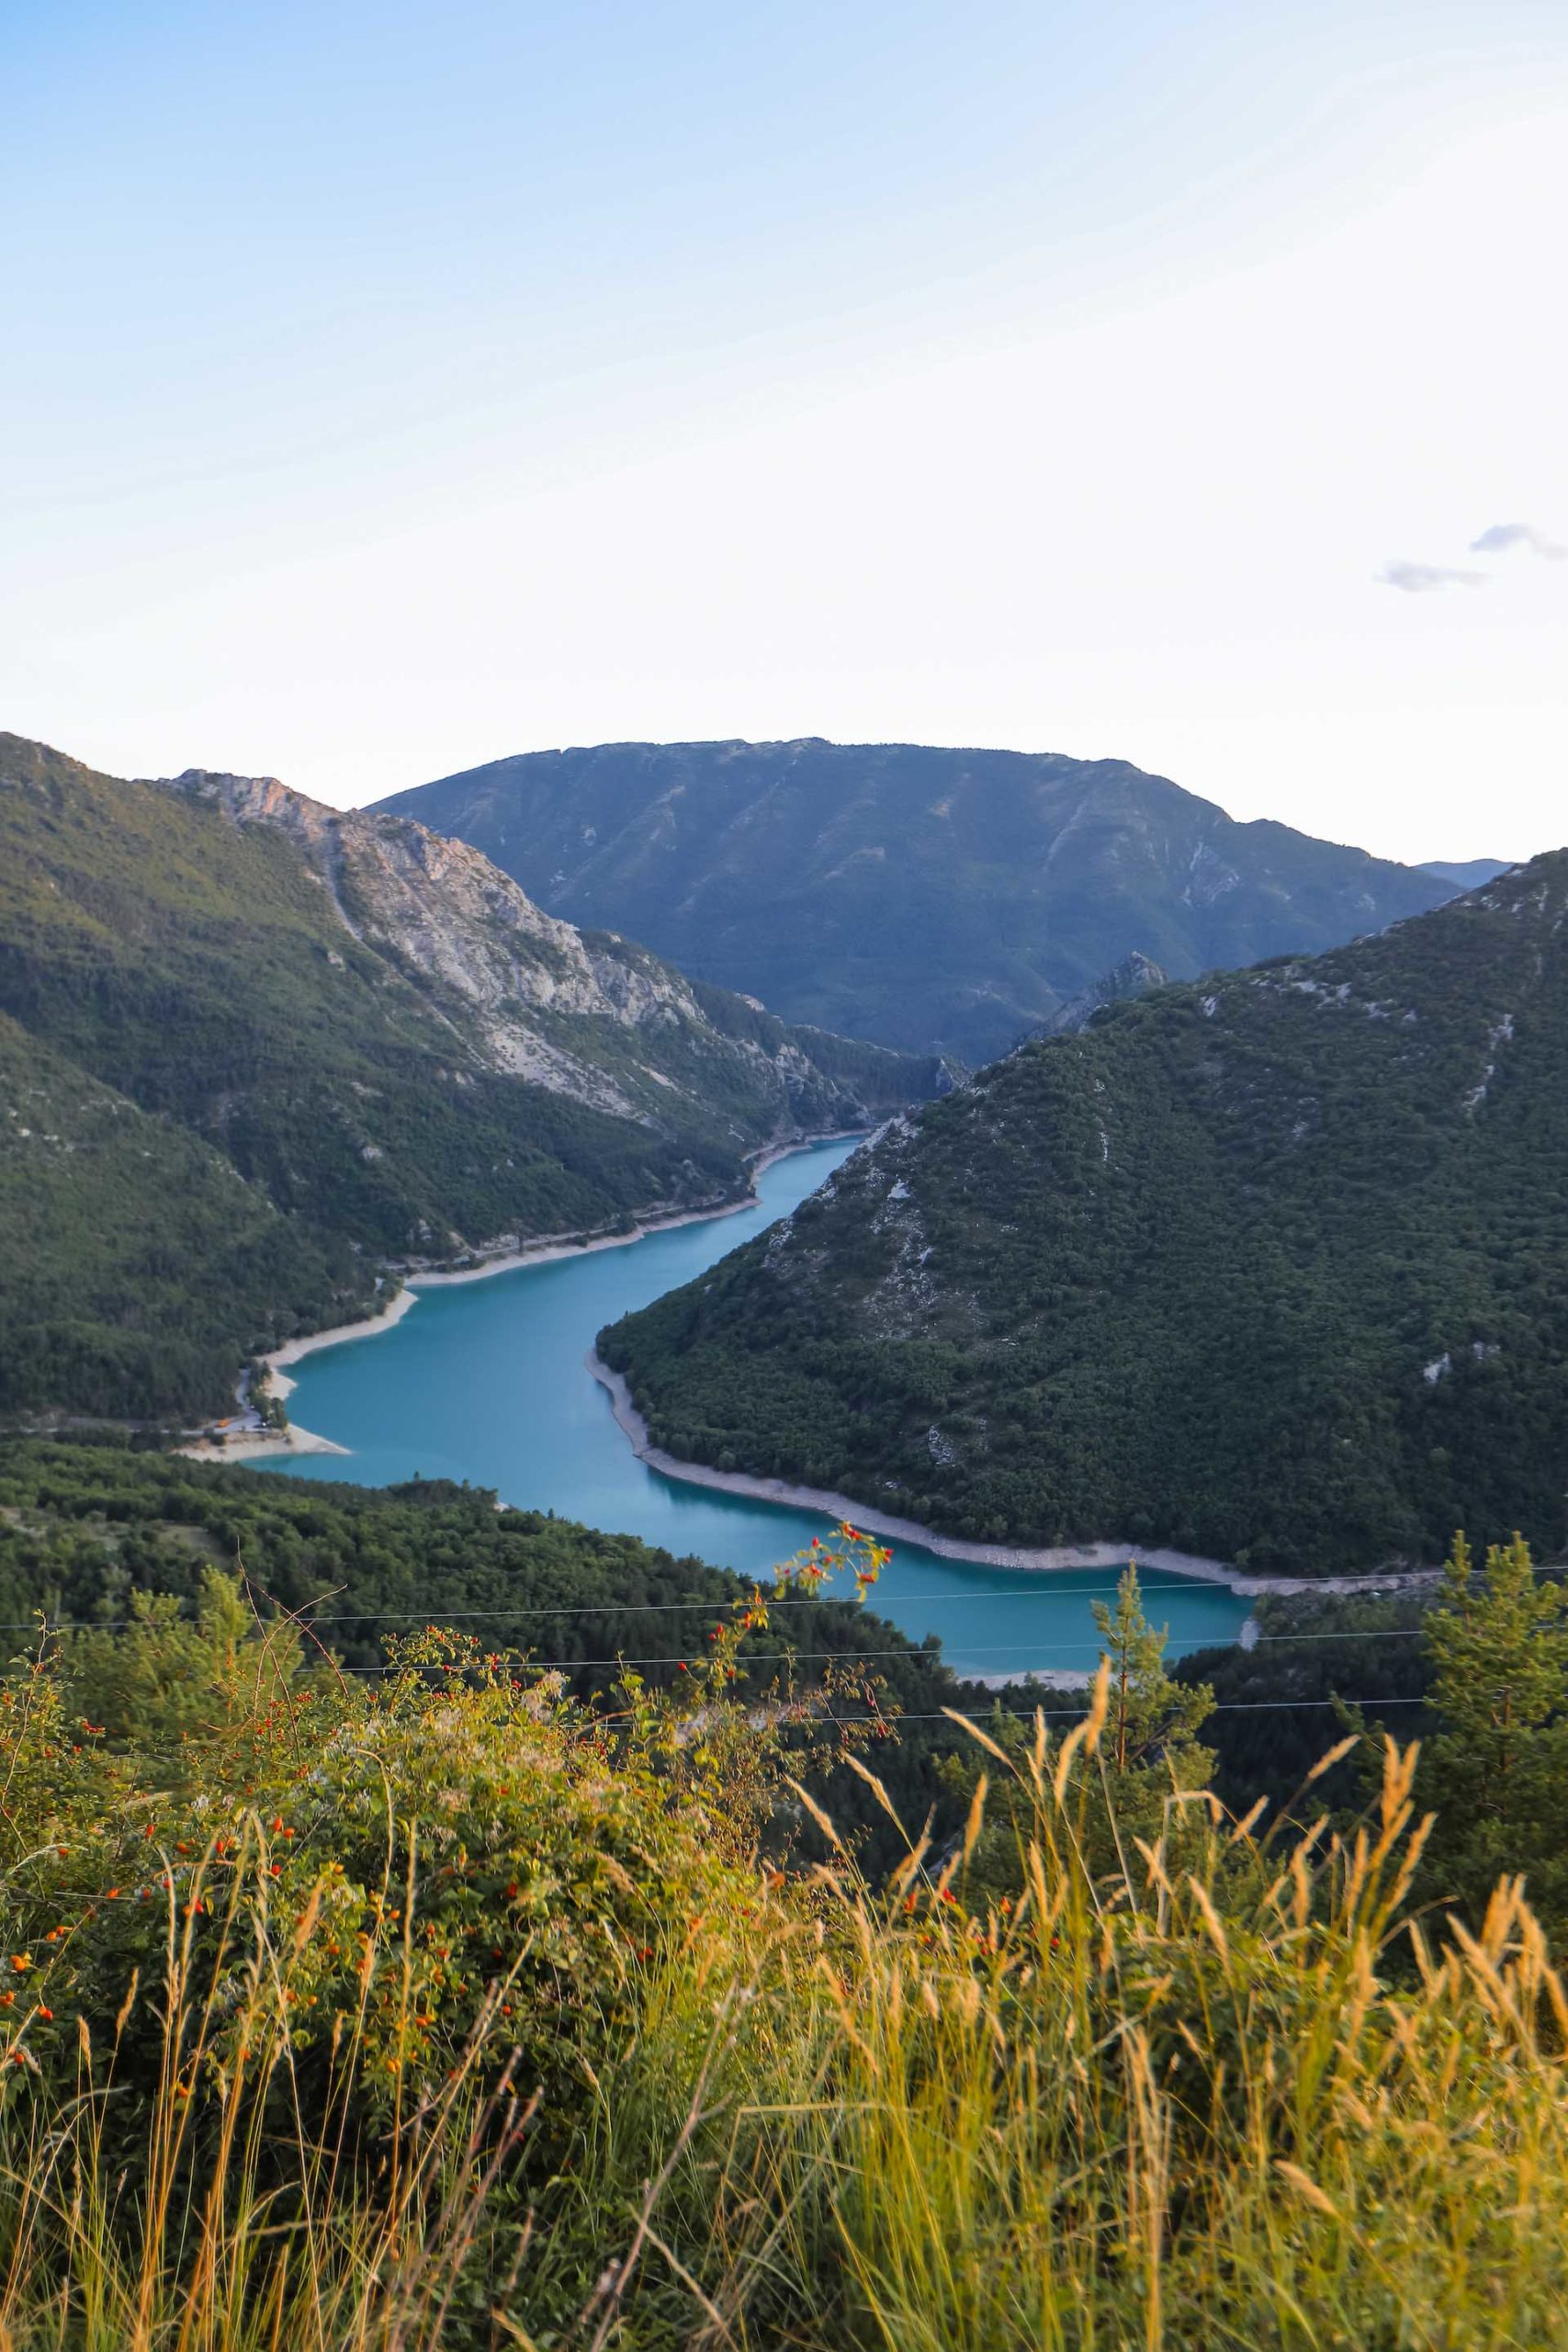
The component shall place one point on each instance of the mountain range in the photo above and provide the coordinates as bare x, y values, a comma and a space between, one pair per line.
251, 1049
932, 899
1272, 1267
1467, 873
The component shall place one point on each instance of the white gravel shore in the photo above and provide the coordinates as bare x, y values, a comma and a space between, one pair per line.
993, 1555
550, 1246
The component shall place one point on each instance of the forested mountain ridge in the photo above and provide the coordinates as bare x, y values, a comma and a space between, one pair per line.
257, 1047
1273, 1267
930, 898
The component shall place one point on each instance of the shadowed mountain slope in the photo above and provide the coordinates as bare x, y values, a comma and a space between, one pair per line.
365, 1040
933, 899
1273, 1267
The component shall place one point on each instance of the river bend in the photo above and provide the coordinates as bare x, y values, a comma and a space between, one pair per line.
486, 1381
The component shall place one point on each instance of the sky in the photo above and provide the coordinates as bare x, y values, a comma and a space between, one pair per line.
394, 387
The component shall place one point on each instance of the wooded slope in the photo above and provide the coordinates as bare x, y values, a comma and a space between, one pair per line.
1272, 1267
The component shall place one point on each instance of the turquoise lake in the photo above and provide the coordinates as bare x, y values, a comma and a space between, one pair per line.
486, 1381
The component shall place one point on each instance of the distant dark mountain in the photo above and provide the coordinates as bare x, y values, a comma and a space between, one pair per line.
255, 1048
941, 901
1468, 873
1273, 1267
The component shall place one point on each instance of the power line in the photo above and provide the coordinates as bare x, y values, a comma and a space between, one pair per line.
910, 1654
521, 1609
1224, 1707
858, 1657
661, 1607
851, 1657
1026, 1714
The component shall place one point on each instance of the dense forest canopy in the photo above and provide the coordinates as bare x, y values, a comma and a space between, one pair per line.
84, 1526
1273, 1267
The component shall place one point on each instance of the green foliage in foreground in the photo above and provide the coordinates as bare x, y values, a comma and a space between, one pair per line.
83, 1529
1496, 1770
444, 2012
1282, 1701
1272, 1268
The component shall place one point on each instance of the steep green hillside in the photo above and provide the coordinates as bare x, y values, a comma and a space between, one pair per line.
935, 900
136, 1263
1274, 1267
344, 1036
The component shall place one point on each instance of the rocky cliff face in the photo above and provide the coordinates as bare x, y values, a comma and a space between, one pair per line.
1134, 976
533, 997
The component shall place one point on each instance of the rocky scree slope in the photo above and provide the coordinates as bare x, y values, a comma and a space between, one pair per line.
375, 1048
934, 900
1273, 1267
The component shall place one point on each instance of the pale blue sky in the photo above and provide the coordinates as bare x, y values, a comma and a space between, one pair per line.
392, 387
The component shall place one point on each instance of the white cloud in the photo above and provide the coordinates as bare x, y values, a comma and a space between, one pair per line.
1417, 579
1498, 537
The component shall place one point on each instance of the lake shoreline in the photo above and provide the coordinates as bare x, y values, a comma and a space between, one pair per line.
258, 1445
1047, 1560
251, 1443
263, 1444
552, 1247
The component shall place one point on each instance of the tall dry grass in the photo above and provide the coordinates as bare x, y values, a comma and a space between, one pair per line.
255, 2210
1229, 2094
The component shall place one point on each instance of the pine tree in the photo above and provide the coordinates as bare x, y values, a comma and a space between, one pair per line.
1152, 1720
1496, 1773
